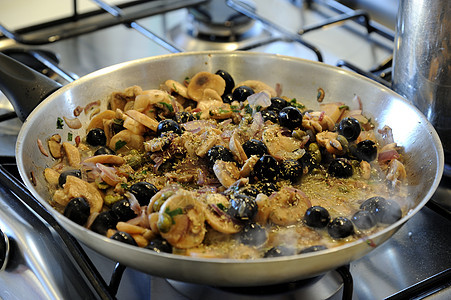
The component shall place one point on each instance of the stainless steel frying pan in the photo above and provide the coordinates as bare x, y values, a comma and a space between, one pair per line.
300, 79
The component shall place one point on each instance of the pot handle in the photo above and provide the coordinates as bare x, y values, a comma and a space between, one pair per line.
24, 87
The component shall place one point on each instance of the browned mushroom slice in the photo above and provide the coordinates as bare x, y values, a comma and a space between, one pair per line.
216, 217
72, 154
106, 159
227, 172
202, 81
186, 228
97, 121
76, 187
125, 140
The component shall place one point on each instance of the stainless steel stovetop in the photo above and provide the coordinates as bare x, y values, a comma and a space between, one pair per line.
418, 251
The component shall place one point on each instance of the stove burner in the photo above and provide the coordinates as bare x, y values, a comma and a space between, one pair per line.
327, 286
215, 21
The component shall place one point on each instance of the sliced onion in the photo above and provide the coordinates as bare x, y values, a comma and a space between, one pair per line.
74, 123
134, 204
261, 99
387, 155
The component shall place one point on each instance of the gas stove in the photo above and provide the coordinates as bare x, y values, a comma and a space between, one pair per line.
85, 36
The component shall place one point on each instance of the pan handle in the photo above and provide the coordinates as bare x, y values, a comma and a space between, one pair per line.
24, 87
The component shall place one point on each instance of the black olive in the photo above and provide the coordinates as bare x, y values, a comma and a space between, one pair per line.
117, 126
364, 220
242, 207
366, 150
253, 235
143, 191
317, 217
269, 115
340, 227
219, 153
266, 168
63, 176
340, 168
104, 221
254, 147
103, 151
277, 104
96, 137
386, 211
290, 169
183, 117
124, 237
230, 83
159, 244
279, 251
260, 187
168, 125
77, 210
308, 162
312, 249
227, 98
123, 211
290, 117
349, 128
241, 93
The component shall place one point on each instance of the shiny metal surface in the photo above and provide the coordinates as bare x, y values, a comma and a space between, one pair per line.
411, 130
45, 274
422, 61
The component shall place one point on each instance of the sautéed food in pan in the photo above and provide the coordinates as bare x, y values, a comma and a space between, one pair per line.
210, 167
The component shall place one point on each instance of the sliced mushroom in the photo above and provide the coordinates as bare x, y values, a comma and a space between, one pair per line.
235, 145
227, 172
288, 206
188, 220
143, 119
54, 144
76, 187
280, 146
51, 176
258, 86
72, 154
203, 81
214, 215
106, 159
97, 121
177, 87
125, 140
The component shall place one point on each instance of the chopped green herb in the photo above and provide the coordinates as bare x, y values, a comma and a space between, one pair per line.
343, 106
124, 186
258, 108
173, 213
59, 123
118, 121
167, 105
187, 79
175, 88
69, 136
248, 109
119, 145
223, 111
211, 113
221, 206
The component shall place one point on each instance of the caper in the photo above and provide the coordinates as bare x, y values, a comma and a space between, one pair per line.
344, 142
157, 204
314, 151
111, 199
298, 134
164, 222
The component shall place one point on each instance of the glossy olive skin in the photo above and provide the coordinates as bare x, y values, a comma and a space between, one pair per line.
104, 151
104, 221
242, 207
366, 150
340, 228
340, 169
253, 235
316, 217
63, 176
349, 128
290, 169
77, 210
277, 104
143, 191
308, 162
386, 211
159, 245
255, 147
242, 92
261, 187
218, 153
266, 168
96, 137
279, 251
312, 249
269, 115
290, 117
124, 237
227, 98
230, 83
168, 125
123, 211
364, 220
183, 117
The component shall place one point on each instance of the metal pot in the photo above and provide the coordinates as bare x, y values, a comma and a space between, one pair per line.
300, 79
